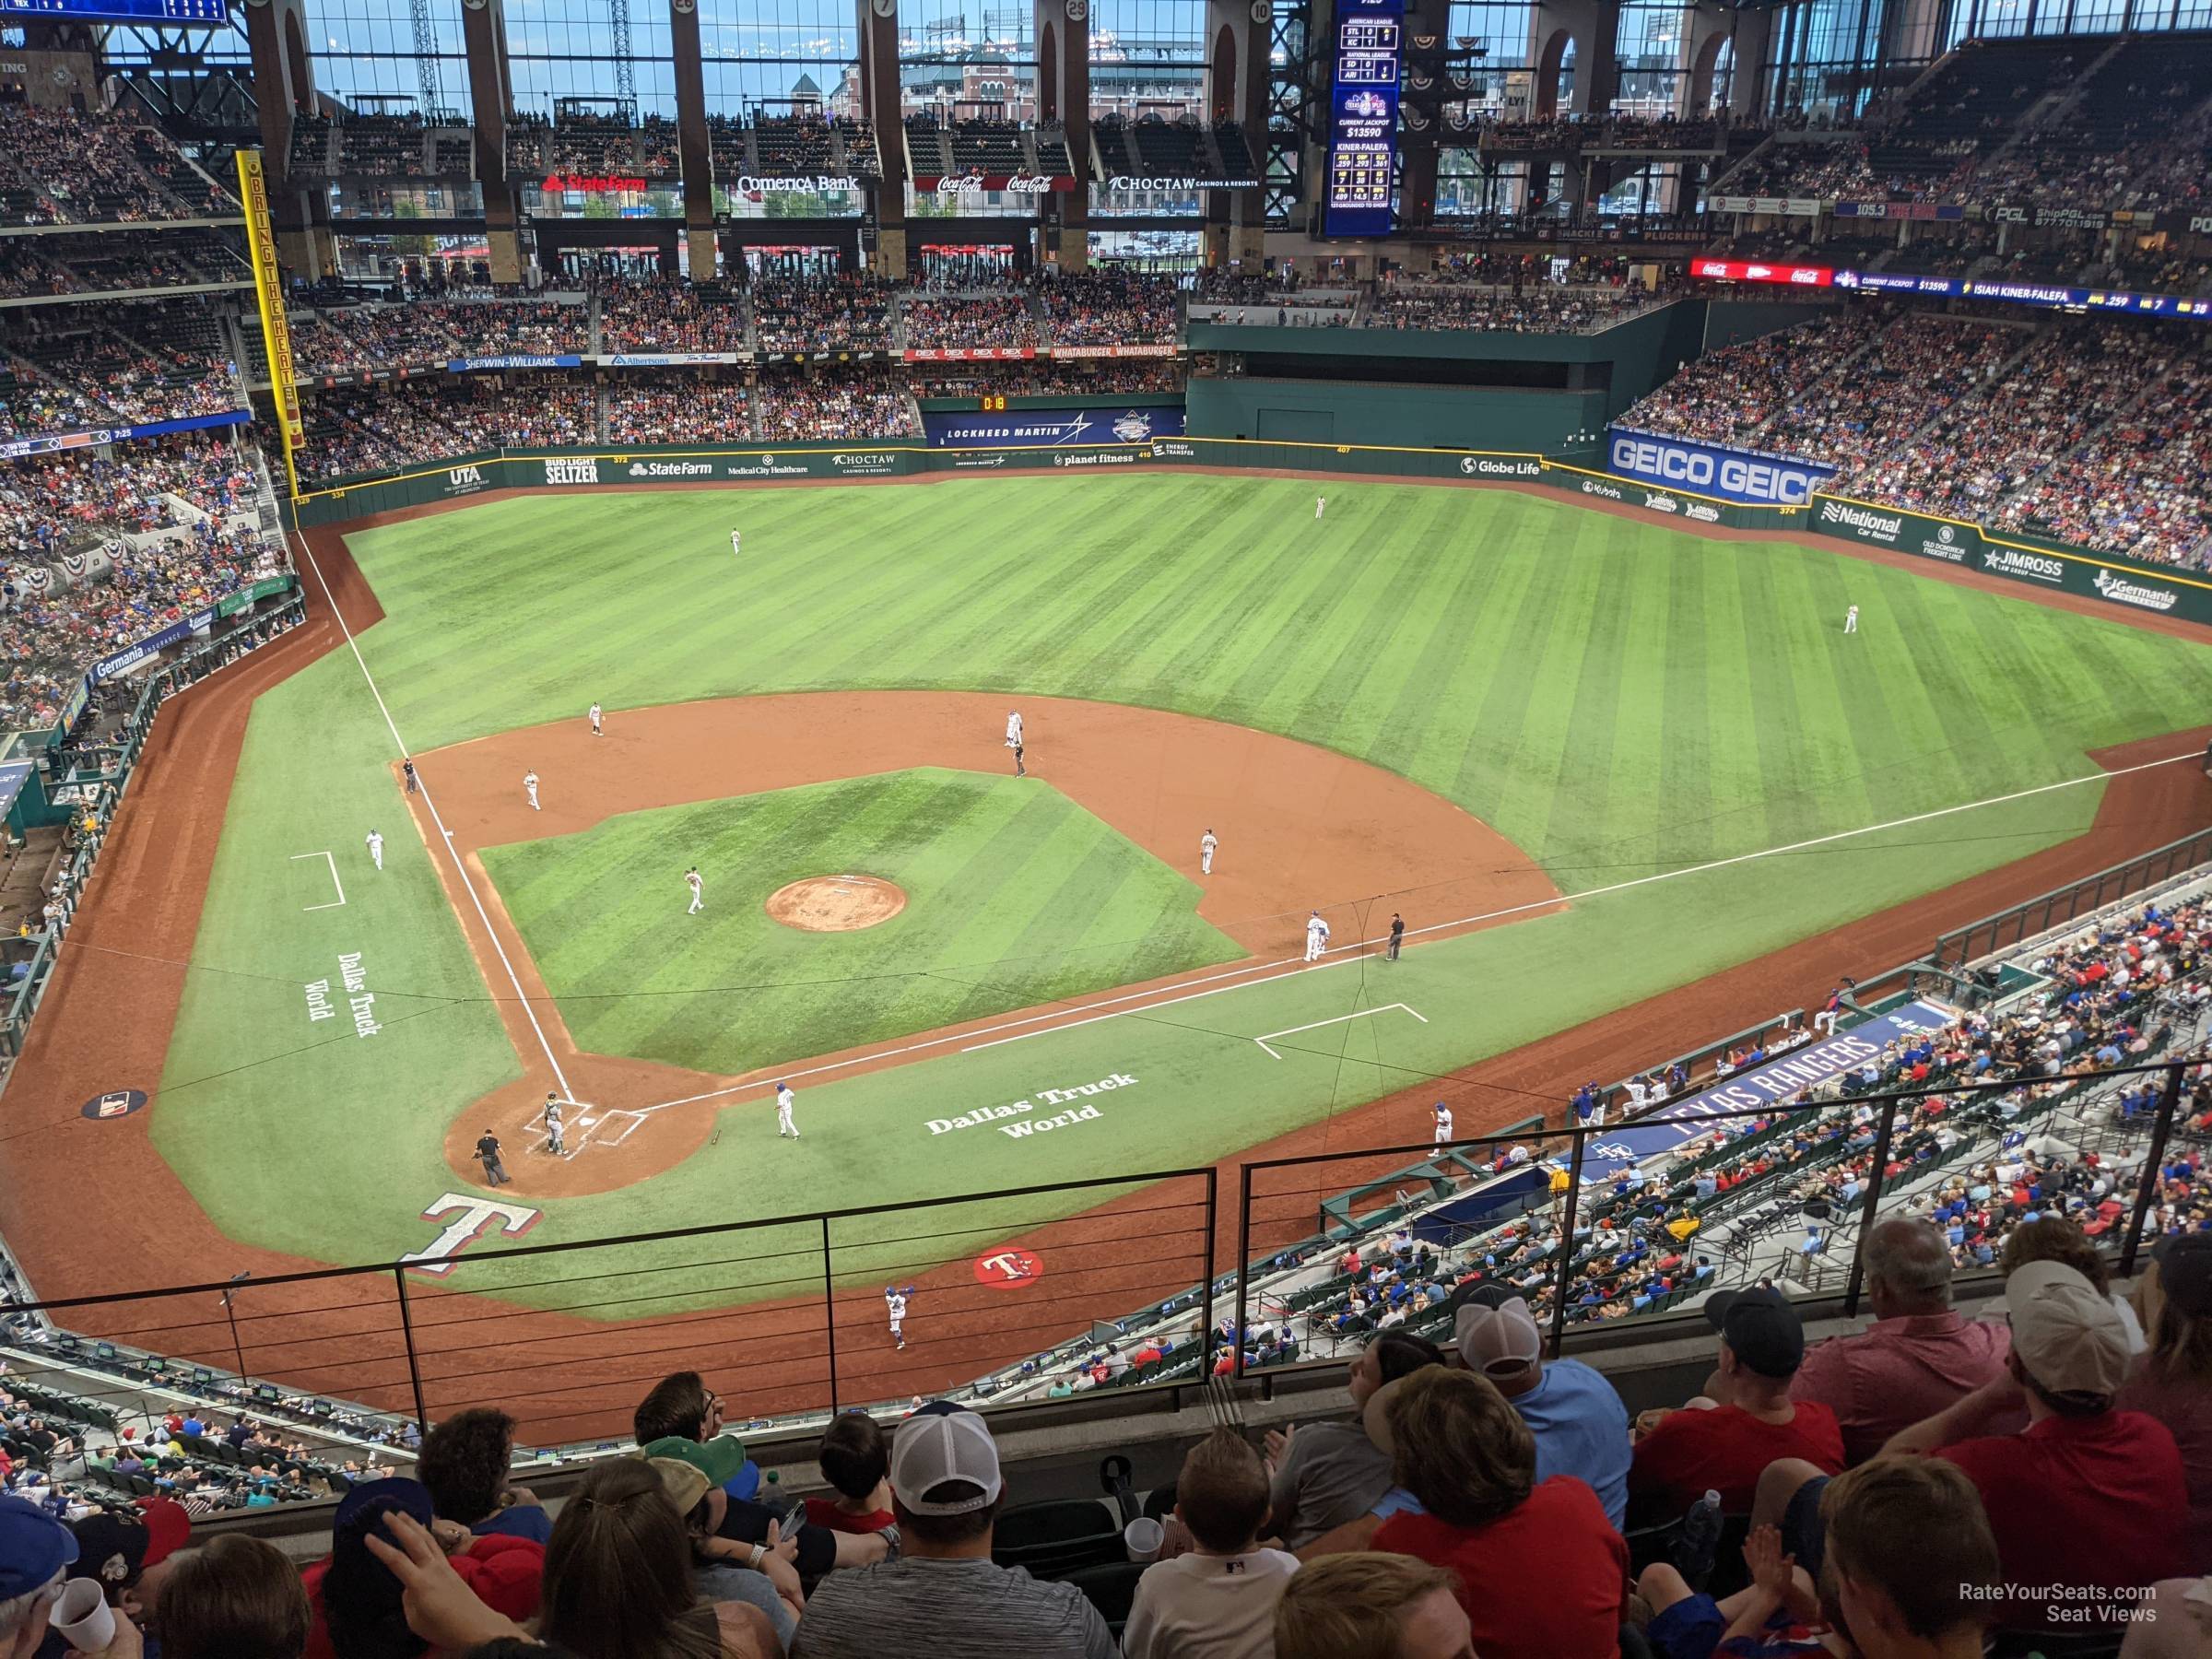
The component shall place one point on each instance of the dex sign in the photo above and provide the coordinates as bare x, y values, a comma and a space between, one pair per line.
1709, 469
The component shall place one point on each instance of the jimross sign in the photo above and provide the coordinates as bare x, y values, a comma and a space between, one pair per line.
1050, 1109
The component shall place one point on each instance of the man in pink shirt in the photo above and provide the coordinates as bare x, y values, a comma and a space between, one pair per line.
1918, 1357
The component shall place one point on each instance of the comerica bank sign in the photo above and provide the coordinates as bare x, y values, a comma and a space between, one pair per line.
1710, 469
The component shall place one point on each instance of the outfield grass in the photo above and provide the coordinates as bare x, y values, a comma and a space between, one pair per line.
1622, 699
1016, 896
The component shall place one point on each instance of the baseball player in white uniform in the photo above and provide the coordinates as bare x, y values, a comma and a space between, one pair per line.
698, 891
736, 544
1319, 502
1443, 1124
376, 848
530, 789
894, 1302
597, 731
552, 1116
1317, 937
1851, 620
785, 1100
1014, 729
1207, 843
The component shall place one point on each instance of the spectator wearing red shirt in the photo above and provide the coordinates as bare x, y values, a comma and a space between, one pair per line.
351, 1591
1723, 1446
2086, 1503
856, 1461
1919, 1357
1541, 1572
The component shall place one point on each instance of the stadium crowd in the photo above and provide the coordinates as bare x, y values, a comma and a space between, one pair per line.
74, 587
685, 411
1104, 307
826, 313
844, 402
73, 166
937, 322
669, 317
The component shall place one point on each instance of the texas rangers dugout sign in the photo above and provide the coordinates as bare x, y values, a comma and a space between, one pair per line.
1050, 429
1708, 469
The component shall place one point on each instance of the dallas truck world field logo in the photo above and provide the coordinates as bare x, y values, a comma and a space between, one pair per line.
2118, 589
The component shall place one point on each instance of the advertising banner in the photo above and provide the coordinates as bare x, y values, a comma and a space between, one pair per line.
1898, 210
130, 657
558, 359
970, 354
1159, 348
1751, 270
53, 443
1710, 469
667, 359
1050, 429
231, 605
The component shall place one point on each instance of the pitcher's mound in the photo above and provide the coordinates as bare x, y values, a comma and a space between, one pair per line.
836, 903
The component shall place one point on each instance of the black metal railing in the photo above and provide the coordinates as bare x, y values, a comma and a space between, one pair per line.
2008, 927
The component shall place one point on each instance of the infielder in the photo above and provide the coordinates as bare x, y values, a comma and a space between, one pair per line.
552, 1116
736, 544
596, 730
785, 1100
1014, 728
1851, 620
1207, 843
1317, 937
409, 766
530, 789
1443, 1124
894, 1302
698, 891
1319, 502
376, 848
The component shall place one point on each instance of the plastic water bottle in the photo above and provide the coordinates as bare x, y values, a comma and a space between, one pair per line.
1699, 1543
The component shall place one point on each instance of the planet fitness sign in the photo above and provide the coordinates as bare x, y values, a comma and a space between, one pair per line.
1709, 469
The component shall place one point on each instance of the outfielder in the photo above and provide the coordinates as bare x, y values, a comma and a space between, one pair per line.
736, 544
376, 848
786, 1099
1443, 1124
1207, 843
597, 731
1317, 937
894, 1302
1851, 620
530, 789
1319, 502
552, 1116
698, 891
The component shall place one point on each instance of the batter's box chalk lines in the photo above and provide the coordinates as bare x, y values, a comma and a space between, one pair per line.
1339, 1019
334, 881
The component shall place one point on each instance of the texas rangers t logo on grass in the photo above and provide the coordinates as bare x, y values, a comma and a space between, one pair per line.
1009, 1269
473, 1219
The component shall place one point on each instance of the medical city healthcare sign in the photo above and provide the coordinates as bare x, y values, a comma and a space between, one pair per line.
1709, 469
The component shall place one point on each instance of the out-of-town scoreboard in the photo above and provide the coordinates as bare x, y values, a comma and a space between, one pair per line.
174, 14
1363, 117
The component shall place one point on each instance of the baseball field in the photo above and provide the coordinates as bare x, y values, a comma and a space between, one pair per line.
1587, 759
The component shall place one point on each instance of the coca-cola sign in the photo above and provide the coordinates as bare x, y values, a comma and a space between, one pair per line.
974, 183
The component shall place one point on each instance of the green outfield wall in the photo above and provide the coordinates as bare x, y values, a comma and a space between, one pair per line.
2126, 585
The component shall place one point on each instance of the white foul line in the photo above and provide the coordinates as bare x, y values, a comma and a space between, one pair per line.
333, 881
1292, 967
444, 835
1338, 1019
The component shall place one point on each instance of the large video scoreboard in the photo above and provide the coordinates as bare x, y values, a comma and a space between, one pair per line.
1363, 117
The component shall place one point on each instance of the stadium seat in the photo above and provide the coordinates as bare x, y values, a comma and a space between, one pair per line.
1111, 1588
1056, 1538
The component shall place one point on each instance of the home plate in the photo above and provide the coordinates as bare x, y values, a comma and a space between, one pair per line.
585, 1123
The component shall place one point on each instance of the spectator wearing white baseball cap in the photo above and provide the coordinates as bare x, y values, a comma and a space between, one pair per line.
1579, 1425
945, 1590
2087, 1497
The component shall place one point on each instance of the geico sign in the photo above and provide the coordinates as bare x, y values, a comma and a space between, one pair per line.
1737, 475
